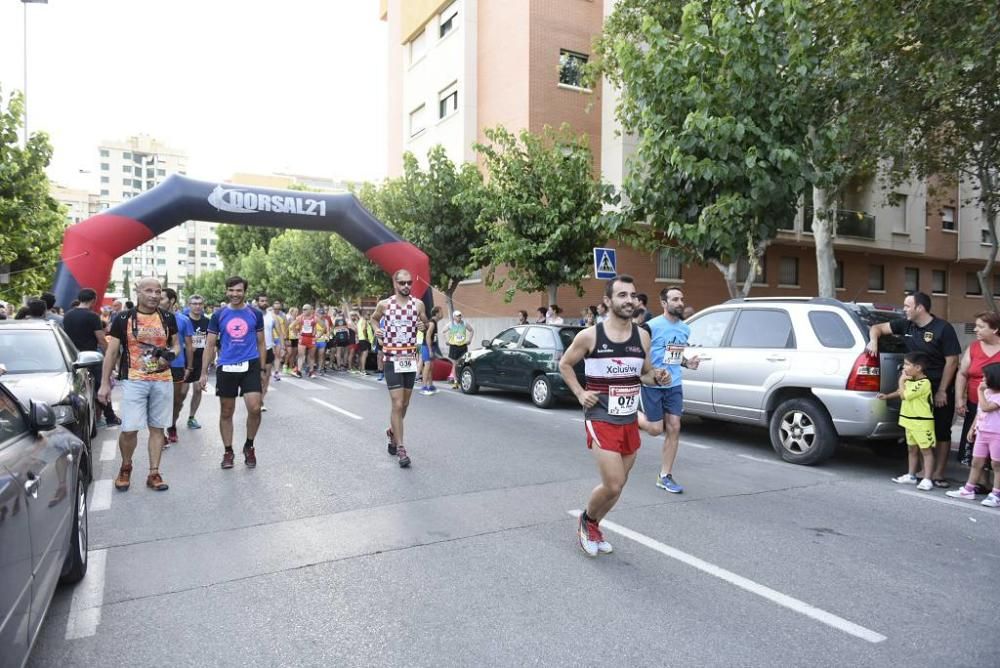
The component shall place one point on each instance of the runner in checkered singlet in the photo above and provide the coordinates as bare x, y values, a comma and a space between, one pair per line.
404, 317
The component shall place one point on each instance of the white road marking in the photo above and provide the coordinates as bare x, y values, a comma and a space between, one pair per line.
345, 383
335, 408
578, 420
101, 498
692, 444
303, 384
809, 469
964, 505
109, 450
746, 584
88, 597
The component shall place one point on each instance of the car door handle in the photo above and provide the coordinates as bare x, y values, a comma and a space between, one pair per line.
777, 358
31, 486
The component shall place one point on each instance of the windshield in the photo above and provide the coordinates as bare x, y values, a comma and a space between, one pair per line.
27, 351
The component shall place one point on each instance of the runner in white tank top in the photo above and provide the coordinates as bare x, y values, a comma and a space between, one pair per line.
617, 361
404, 318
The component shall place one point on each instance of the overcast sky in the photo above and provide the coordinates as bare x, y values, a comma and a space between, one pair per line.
251, 85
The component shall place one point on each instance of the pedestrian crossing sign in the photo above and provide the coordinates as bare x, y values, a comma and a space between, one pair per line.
605, 263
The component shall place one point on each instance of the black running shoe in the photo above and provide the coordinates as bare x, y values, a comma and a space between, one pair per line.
391, 446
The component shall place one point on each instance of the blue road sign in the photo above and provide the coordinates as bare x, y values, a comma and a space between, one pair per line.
605, 263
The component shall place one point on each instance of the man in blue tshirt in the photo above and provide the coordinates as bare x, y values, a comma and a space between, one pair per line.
238, 331
181, 369
662, 405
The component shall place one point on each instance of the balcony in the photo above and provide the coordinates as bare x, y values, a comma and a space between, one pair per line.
850, 223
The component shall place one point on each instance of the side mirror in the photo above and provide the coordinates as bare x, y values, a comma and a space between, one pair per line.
88, 359
41, 417
487, 344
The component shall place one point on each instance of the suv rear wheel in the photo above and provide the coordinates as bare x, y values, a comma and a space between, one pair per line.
802, 432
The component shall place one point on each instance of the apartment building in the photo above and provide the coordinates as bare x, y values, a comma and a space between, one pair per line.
80, 204
129, 167
456, 68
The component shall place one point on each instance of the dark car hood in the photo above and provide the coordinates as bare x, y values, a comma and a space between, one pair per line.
52, 388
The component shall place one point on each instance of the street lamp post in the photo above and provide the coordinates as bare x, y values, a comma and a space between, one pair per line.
25, 8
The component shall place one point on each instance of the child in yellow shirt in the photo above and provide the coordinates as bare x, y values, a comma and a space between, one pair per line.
917, 417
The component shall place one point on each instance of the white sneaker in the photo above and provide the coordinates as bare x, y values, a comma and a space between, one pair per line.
961, 493
906, 479
587, 544
604, 547
926, 485
991, 501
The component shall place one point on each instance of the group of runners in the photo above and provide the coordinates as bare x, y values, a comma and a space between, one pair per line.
633, 372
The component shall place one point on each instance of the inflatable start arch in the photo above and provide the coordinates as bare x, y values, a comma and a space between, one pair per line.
90, 248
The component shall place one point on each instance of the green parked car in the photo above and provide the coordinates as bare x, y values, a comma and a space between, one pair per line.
524, 358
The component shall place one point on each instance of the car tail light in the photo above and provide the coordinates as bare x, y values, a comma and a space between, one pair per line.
866, 376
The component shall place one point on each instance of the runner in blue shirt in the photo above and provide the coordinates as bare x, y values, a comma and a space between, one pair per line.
662, 406
182, 367
238, 330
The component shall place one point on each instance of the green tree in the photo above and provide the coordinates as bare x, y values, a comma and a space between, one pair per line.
236, 241
127, 284
711, 89
543, 210
937, 98
209, 284
31, 221
438, 210
300, 267
254, 267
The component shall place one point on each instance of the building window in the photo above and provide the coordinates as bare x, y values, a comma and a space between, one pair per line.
571, 68
105, 179
876, 277
182, 263
126, 156
838, 275
126, 260
743, 269
161, 172
105, 167
105, 193
149, 173
899, 225
161, 249
986, 237
669, 265
127, 169
788, 271
448, 20
418, 47
911, 279
161, 261
948, 218
418, 120
127, 182
137, 184
448, 101
191, 240
939, 282
211, 255
972, 284
204, 242
204, 253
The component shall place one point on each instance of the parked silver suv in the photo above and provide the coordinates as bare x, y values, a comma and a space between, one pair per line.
797, 366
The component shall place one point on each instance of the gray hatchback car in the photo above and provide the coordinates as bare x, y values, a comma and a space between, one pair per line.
798, 367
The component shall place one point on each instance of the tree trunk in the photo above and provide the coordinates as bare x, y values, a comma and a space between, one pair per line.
728, 272
988, 199
823, 230
450, 296
553, 291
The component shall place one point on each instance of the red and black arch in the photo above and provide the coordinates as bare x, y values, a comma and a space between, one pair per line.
90, 248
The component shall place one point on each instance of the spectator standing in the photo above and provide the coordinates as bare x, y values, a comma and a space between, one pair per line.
555, 316
924, 333
142, 345
916, 417
522, 317
542, 316
50, 304
85, 329
987, 436
981, 352
181, 369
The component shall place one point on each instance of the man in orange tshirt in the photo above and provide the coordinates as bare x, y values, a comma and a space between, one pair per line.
142, 343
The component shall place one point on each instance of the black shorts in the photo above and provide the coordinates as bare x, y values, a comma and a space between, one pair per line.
398, 381
269, 358
455, 352
944, 416
364, 346
199, 359
293, 343
179, 374
231, 385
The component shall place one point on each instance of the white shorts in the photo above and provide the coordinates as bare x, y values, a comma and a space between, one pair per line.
146, 403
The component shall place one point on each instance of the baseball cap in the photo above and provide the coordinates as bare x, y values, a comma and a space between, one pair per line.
458, 313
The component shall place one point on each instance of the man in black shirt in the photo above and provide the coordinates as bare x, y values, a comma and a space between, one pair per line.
924, 333
86, 330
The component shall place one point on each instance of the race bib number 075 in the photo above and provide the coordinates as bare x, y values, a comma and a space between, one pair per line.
623, 401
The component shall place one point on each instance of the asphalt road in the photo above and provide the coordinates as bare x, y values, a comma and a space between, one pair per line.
328, 554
